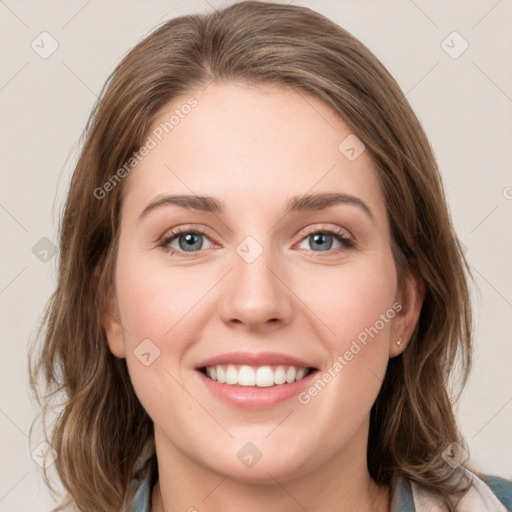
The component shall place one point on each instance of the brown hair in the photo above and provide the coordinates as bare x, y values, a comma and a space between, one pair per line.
102, 432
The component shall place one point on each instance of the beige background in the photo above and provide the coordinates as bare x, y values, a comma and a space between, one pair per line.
465, 105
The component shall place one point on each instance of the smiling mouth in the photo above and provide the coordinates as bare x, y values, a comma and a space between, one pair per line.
256, 376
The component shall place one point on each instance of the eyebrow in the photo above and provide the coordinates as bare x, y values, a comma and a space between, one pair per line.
303, 203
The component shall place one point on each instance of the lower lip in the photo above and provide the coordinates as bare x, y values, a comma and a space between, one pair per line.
253, 397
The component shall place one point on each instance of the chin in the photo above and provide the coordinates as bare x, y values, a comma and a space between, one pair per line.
259, 462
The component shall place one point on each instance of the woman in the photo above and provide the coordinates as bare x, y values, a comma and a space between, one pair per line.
260, 291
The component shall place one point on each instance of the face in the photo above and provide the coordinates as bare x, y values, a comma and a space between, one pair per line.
281, 288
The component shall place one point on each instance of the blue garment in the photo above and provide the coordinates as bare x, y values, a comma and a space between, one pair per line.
403, 496
142, 499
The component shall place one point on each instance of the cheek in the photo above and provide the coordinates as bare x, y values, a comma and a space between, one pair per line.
152, 300
355, 302
357, 305
155, 307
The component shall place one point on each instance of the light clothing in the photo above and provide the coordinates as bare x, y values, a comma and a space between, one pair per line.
492, 494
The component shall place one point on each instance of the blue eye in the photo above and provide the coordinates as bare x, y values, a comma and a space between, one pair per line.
323, 240
188, 241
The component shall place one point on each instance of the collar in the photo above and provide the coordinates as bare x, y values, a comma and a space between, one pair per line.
492, 494
402, 500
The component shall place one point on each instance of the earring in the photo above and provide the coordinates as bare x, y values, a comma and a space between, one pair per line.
399, 342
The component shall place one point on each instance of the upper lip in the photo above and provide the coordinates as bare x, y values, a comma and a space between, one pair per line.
254, 359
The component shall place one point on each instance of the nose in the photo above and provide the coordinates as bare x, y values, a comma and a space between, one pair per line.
256, 294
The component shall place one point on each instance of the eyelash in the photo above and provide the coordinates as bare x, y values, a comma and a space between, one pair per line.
338, 234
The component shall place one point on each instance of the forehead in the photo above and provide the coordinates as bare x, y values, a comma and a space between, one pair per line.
252, 144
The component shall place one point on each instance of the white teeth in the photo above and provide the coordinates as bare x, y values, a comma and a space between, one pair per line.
231, 375
246, 376
300, 373
261, 376
279, 375
291, 374
264, 377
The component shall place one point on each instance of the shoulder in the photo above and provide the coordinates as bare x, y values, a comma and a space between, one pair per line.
485, 492
501, 488
141, 499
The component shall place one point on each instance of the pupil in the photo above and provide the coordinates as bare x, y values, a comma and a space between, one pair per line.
191, 241
319, 237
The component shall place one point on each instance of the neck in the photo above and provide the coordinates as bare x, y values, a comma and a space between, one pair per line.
340, 484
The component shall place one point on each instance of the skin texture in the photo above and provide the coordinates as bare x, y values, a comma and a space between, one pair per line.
253, 147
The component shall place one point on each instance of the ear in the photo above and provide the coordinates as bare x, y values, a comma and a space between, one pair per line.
113, 328
410, 295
